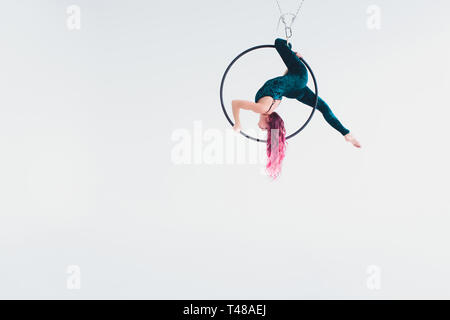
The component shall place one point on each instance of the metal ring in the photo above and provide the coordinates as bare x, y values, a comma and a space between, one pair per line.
223, 83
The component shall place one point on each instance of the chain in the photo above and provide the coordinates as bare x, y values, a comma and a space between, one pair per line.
298, 10
288, 26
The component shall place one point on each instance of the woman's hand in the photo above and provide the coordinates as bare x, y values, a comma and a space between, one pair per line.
298, 55
237, 127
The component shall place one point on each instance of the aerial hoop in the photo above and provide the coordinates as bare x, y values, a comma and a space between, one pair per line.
225, 76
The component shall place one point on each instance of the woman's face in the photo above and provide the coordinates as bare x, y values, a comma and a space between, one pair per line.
263, 123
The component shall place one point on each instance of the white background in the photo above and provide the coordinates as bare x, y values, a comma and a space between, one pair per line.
87, 176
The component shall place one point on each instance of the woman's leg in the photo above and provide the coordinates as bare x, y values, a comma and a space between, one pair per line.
309, 98
289, 57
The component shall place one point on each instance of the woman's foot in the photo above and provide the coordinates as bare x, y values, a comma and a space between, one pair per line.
348, 137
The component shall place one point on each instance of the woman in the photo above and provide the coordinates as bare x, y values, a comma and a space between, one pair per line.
291, 85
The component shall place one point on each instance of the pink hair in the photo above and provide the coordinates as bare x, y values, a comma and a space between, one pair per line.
276, 144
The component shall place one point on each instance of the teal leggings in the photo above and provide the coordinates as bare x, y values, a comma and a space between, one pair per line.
293, 85
309, 98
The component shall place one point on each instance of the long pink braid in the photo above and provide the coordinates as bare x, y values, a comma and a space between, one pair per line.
276, 145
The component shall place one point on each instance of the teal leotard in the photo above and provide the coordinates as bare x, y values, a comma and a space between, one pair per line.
293, 85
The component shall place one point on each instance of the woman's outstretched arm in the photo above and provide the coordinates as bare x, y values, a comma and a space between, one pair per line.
236, 110
237, 105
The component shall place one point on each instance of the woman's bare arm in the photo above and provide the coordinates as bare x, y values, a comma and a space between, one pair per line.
236, 110
237, 105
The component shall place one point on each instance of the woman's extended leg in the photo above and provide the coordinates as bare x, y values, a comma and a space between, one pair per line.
309, 98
